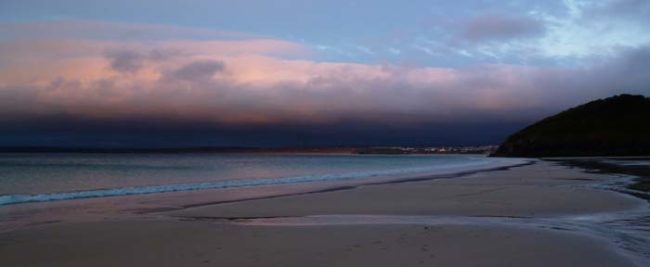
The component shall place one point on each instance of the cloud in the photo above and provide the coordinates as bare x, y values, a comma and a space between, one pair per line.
592, 29
106, 31
125, 60
501, 27
627, 8
199, 70
235, 84
241, 89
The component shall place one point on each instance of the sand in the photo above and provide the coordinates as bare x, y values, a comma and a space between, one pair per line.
216, 235
543, 189
163, 243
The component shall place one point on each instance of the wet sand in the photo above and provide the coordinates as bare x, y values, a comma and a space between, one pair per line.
237, 233
542, 189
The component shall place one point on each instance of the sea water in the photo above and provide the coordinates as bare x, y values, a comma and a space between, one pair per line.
50, 177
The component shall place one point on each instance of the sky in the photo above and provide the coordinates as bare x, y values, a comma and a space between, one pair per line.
162, 73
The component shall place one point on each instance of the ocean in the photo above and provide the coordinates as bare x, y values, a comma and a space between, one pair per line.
54, 177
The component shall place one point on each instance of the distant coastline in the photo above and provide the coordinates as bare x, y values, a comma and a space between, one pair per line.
49, 149
391, 150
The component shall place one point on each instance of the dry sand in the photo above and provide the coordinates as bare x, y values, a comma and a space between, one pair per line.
197, 237
164, 243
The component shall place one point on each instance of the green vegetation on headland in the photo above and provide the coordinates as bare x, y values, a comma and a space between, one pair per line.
615, 126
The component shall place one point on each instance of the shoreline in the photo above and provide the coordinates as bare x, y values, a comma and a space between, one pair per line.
373, 178
503, 208
28, 214
639, 173
370, 183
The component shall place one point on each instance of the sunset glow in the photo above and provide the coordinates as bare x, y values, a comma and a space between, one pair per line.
511, 66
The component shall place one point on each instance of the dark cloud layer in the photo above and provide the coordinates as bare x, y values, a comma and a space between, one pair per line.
65, 131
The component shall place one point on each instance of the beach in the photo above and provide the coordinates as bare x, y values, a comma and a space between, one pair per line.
536, 214
326, 133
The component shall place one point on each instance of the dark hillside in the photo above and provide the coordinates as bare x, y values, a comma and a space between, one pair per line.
615, 126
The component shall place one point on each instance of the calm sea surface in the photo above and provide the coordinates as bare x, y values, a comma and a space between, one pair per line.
49, 177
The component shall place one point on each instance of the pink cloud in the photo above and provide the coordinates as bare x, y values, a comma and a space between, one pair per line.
261, 80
